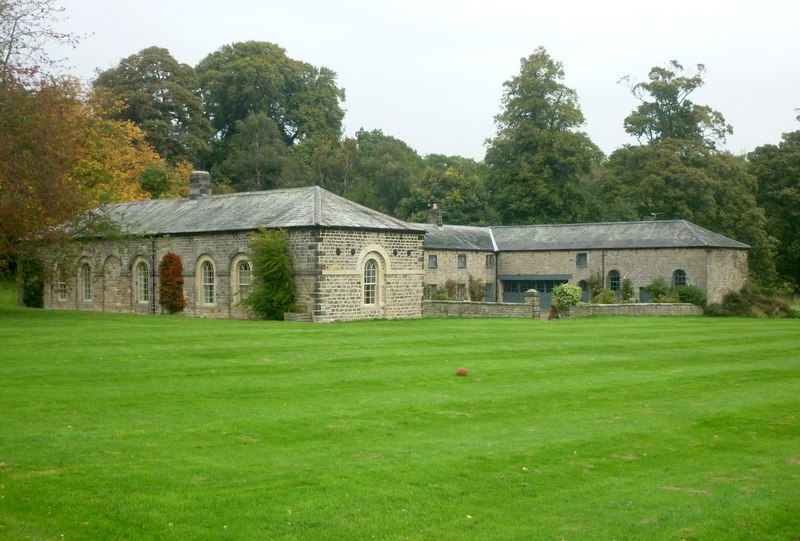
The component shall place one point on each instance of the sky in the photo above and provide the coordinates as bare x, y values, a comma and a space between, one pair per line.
431, 72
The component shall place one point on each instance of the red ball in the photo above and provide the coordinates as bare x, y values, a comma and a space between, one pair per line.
461, 371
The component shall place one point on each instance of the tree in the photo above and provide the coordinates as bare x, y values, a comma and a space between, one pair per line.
386, 169
536, 161
258, 77
258, 158
26, 27
113, 156
453, 183
684, 179
666, 112
159, 95
41, 131
777, 170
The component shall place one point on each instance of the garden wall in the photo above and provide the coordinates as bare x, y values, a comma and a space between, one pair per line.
648, 309
440, 309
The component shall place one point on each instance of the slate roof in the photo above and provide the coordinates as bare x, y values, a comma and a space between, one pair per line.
597, 236
288, 208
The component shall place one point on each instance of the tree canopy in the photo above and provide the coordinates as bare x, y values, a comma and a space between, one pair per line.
257, 77
666, 112
777, 170
537, 159
159, 95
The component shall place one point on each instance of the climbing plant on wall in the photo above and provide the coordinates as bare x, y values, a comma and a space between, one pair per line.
170, 289
274, 292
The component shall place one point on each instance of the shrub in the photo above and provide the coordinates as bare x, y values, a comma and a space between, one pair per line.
32, 282
477, 289
170, 287
691, 294
274, 292
658, 289
751, 303
566, 296
605, 296
626, 291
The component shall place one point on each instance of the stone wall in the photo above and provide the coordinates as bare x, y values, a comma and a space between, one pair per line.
447, 269
648, 309
336, 257
715, 271
328, 266
468, 309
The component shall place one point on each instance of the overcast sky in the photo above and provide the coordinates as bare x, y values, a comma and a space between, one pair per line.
431, 72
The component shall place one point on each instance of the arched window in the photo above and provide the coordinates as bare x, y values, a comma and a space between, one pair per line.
142, 282
679, 278
243, 274
370, 282
613, 280
86, 282
208, 282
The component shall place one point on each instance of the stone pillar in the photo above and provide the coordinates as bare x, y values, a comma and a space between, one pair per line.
532, 299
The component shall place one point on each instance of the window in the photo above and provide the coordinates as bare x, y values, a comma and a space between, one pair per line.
86, 281
370, 281
433, 262
243, 273
208, 282
431, 291
142, 282
679, 278
461, 293
613, 280
62, 291
489, 261
462, 261
581, 260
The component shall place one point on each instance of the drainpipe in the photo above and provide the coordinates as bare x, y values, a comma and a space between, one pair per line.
153, 277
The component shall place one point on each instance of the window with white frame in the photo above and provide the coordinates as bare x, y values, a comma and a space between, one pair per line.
433, 261
207, 270
86, 282
462, 261
142, 282
370, 282
244, 273
489, 261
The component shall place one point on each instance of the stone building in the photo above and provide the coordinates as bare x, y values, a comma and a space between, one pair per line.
502, 263
350, 262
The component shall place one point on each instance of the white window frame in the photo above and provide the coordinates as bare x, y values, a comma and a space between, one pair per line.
208, 282
244, 278
86, 282
370, 296
142, 282
462, 261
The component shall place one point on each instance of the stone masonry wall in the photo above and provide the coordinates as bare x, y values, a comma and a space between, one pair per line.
468, 309
714, 271
338, 257
447, 268
328, 266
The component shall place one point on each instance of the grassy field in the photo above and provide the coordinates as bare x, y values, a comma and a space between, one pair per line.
133, 427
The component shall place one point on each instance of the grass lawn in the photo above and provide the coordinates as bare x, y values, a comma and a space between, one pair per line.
136, 427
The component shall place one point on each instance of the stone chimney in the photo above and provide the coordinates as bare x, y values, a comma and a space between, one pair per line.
435, 215
199, 184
